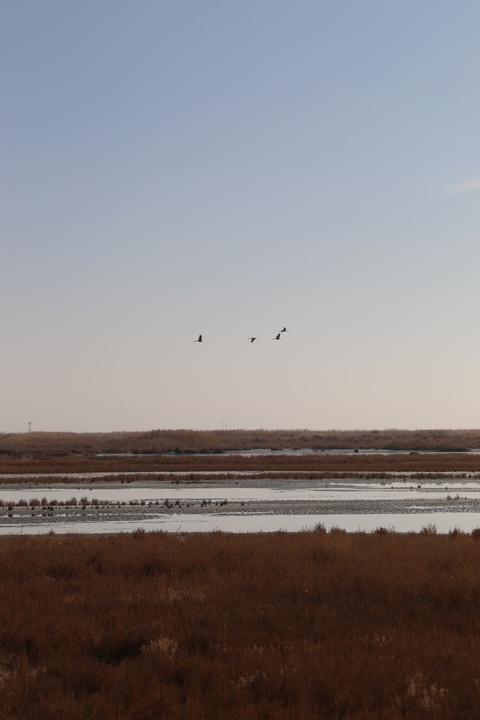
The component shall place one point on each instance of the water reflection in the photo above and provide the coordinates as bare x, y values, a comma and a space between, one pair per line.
278, 491
257, 523
359, 506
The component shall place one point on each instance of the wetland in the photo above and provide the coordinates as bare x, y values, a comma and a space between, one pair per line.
235, 481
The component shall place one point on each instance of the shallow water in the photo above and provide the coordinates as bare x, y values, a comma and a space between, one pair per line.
286, 492
325, 451
246, 523
409, 510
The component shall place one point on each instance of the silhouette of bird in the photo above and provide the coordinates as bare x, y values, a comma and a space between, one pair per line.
200, 339
277, 337
252, 339
284, 329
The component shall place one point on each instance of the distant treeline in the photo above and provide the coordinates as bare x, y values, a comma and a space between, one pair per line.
208, 441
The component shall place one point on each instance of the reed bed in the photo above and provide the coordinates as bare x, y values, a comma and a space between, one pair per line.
196, 478
162, 441
323, 463
277, 626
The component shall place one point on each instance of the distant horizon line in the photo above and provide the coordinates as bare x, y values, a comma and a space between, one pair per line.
244, 430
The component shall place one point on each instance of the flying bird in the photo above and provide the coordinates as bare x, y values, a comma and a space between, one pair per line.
200, 339
252, 339
277, 337
284, 329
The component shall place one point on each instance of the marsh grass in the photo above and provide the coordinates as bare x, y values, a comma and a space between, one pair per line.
60, 445
304, 625
225, 466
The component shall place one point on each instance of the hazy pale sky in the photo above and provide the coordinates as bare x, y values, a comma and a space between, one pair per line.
176, 168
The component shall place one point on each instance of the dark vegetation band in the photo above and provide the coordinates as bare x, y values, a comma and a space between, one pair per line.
302, 625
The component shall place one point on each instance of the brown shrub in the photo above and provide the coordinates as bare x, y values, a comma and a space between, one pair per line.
275, 625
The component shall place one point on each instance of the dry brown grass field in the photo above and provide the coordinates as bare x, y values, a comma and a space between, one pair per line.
277, 626
173, 451
316, 465
161, 441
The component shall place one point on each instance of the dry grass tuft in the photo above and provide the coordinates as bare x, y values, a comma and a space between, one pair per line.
304, 625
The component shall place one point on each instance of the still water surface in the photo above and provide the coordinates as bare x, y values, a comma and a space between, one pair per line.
286, 492
411, 518
254, 523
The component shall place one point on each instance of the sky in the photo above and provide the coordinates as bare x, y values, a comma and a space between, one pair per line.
175, 168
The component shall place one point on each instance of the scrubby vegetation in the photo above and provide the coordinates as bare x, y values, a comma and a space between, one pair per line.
209, 452
304, 625
319, 465
187, 441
